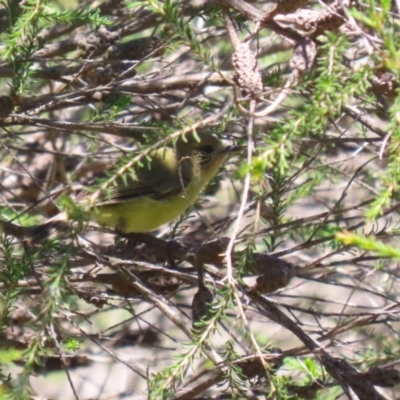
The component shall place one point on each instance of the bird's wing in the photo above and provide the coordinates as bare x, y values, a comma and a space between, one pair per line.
160, 178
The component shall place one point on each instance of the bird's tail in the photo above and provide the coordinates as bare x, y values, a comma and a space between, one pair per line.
35, 233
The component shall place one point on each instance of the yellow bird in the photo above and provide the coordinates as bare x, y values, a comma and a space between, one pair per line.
158, 191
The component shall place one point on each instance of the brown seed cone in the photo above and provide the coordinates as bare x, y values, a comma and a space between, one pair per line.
383, 377
304, 56
275, 272
103, 72
92, 296
97, 42
201, 304
51, 363
135, 49
332, 18
6, 106
385, 84
328, 22
157, 281
253, 366
289, 6
315, 22
247, 74
213, 252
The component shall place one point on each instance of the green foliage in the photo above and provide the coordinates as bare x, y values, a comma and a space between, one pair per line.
110, 108
71, 17
370, 244
74, 211
323, 198
71, 345
23, 36
170, 12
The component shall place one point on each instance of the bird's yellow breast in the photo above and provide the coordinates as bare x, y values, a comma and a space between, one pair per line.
145, 214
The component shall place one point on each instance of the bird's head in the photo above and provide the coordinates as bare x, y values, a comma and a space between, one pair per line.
206, 152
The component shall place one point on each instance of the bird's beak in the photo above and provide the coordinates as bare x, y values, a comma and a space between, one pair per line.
233, 149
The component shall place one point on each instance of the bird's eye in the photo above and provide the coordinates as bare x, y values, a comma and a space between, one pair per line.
208, 149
